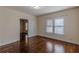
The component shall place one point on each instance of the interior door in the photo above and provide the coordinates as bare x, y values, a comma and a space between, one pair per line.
24, 35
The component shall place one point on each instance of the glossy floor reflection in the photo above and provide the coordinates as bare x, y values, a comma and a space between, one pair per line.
45, 45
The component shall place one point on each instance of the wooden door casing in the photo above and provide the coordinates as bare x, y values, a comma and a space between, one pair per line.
23, 35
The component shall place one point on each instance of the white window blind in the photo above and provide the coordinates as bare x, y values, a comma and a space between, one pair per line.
55, 26
49, 26
59, 26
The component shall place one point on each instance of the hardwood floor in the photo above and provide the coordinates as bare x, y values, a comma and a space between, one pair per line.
10, 48
39, 44
47, 45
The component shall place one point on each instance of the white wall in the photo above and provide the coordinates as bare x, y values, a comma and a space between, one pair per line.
71, 17
10, 25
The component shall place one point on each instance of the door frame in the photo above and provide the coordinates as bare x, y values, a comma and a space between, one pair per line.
24, 46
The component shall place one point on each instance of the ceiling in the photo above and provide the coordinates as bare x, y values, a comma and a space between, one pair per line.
41, 11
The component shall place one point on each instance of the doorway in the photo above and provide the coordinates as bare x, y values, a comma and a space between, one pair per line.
24, 41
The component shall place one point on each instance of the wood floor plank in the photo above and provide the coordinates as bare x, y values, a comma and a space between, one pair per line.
39, 44
47, 45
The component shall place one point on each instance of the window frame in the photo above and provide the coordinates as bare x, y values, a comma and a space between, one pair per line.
49, 26
53, 26
58, 26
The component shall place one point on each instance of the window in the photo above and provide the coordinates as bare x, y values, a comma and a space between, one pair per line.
49, 26
55, 26
59, 26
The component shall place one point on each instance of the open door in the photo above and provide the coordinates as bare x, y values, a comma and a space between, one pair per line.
24, 41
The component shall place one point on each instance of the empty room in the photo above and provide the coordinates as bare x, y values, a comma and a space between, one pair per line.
39, 29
